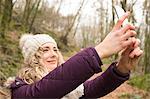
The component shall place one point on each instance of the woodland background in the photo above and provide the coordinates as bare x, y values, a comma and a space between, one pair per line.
71, 31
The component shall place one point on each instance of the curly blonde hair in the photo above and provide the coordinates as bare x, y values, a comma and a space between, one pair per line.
34, 71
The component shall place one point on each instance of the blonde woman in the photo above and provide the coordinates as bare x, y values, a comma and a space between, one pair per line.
46, 75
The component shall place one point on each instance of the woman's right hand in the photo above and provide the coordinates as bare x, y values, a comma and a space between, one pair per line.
117, 39
129, 57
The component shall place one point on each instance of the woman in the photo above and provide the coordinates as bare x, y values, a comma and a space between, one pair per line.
46, 75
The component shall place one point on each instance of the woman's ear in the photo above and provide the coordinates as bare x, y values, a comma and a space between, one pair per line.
60, 58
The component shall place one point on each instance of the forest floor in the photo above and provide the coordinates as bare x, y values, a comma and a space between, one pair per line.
126, 91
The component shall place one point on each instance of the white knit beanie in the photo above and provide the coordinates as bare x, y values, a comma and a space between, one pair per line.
30, 43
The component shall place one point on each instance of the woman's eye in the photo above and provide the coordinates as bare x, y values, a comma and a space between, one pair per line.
45, 50
55, 50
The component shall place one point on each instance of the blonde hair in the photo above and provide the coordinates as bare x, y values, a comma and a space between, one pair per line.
34, 71
29, 73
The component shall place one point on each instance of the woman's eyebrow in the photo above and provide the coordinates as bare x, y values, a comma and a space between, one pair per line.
46, 47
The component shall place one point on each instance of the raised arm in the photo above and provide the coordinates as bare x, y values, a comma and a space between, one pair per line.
116, 74
77, 69
105, 83
63, 79
117, 39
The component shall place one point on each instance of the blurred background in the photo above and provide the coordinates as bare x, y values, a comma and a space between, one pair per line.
75, 25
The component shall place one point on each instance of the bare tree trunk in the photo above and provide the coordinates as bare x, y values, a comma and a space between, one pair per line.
27, 13
32, 21
124, 5
5, 21
65, 37
102, 22
113, 13
107, 20
75, 31
0, 8
6, 17
113, 22
59, 6
146, 51
147, 36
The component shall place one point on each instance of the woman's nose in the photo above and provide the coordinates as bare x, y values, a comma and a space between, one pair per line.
52, 53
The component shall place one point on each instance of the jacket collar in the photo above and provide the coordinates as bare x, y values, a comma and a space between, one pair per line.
17, 83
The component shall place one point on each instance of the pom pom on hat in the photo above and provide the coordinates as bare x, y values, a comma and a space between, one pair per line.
23, 39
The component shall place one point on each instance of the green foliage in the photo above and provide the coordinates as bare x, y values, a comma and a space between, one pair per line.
10, 58
69, 54
10, 54
142, 82
130, 96
107, 61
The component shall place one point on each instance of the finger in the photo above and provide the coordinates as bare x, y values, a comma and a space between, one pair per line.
128, 43
128, 34
133, 53
137, 43
124, 29
120, 21
139, 53
133, 42
124, 51
136, 53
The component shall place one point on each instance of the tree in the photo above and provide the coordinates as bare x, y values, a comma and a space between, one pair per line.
29, 14
0, 8
64, 37
6, 17
34, 16
147, 36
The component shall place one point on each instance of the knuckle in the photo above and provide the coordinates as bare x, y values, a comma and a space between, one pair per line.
132, 33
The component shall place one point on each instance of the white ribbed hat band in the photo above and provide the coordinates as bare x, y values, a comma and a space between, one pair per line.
30, 44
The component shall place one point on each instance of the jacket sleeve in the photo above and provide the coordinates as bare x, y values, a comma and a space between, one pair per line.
63, 79
105, 83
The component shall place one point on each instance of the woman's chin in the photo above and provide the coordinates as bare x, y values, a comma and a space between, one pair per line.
51, 66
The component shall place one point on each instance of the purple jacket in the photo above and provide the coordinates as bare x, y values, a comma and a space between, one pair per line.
69, 76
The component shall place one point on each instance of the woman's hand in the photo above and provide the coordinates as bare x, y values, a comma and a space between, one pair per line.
117, 39
129, 57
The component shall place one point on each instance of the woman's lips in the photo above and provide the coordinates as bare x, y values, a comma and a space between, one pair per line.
52, 61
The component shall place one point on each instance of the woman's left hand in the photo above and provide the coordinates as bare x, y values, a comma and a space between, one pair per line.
129, 57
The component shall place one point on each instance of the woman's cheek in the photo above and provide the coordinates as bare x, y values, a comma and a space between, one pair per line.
45, 56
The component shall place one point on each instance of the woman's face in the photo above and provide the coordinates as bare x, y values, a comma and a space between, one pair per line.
49, 57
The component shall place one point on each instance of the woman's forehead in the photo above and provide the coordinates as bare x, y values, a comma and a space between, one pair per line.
48, 45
